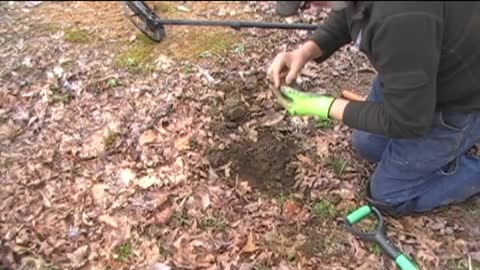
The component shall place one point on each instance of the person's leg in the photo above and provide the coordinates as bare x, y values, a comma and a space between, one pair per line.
287, 8
418, 175
367, 145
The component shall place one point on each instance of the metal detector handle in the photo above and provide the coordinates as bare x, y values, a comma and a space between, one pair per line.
238, 24
379, 236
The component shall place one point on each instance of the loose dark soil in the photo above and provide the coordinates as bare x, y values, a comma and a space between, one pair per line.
265, 164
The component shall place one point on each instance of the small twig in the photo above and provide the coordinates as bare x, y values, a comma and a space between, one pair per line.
469, 262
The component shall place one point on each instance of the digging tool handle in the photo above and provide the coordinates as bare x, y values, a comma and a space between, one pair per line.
378, 236
405, 263
352, 96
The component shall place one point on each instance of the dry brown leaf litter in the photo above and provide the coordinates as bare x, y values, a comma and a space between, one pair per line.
105, 168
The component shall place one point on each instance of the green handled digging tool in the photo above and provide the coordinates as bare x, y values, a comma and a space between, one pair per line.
378, 236
297, 102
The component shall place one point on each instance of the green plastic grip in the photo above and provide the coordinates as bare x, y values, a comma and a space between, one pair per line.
359, 214
404, 263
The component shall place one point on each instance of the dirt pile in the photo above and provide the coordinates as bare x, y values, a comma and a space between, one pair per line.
265, 164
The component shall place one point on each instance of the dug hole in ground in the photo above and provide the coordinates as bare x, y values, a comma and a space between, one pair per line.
121, 153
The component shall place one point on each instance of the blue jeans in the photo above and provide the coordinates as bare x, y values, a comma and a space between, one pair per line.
421, 174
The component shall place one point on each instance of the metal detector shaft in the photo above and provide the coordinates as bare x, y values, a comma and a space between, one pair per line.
151, 24
237, 24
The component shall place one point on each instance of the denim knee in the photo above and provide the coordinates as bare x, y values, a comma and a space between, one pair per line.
358, 142
378, 191
368, 146
378, 198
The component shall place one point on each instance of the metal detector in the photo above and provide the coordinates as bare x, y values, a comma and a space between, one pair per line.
151, 24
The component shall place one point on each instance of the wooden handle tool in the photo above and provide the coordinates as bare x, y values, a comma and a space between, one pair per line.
352, 96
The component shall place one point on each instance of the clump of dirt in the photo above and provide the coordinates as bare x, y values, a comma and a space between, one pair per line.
231, 114
234, 110
265, 164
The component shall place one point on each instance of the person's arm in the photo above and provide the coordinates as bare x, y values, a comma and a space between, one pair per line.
406, 52
331, 34
310, 50
338, 108
326, 39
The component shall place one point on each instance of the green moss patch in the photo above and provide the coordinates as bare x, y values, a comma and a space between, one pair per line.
213, 43
324, 209
139, 56
76, 36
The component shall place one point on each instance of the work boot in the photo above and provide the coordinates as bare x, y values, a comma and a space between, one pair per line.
288, 8
383, 207
396, 211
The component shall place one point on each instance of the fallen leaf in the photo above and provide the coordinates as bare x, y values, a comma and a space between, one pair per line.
183, 9
272, 118
428, 257
74, 232
94, 146
163, 62
147, 137
291, 209
356, 247
205, 200
58, 71
160, 266
250, 245
148, 181
246, 266
284, 266
46, 202
160, 199
291, 19
370, 263
99, 194
109, 220
127, 176
79, 256
212, 175
305, 159
27, 61
252, 134
182, 143
244, 187
164, 216
322, 148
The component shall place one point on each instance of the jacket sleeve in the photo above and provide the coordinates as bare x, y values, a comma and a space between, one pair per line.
406, 52
332, 34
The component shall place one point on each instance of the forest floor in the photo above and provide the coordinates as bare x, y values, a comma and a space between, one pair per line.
122, 153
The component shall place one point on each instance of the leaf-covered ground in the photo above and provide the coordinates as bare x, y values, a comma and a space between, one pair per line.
121, 153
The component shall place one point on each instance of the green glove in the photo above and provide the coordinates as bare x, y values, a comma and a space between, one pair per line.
302, 103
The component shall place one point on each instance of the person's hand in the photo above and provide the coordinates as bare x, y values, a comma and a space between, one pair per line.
306, 104
289, 64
